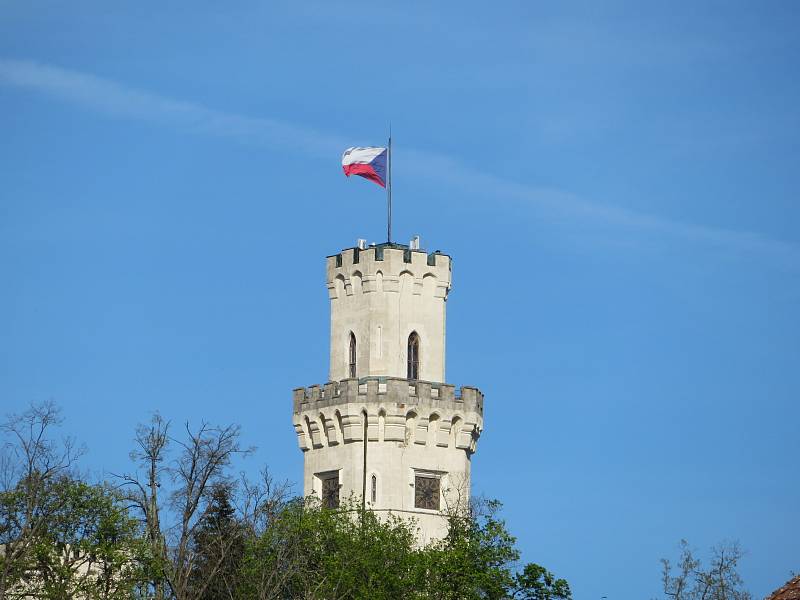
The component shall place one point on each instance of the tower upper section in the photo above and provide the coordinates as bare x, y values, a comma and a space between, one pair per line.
388, 305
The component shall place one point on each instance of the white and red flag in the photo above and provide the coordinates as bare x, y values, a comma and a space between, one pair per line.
369, 163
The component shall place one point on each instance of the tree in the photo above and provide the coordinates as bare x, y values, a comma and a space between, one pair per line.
218, 546
274, 555
537, 583
470, 562
32, 464
91, 548
477, 558
341, 553
689, 580
60, 537
171, 523
311, 552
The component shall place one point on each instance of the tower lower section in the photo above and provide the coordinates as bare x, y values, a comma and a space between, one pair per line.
403, 447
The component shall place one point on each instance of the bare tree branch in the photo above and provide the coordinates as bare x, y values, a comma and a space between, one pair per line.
171, 518
32, 462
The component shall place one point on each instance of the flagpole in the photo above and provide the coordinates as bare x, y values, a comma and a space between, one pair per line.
389, 187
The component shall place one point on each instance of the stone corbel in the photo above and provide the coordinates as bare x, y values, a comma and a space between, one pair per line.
301, 436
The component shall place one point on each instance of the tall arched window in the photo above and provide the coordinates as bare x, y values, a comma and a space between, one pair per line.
352, 354
413, 356
374, 489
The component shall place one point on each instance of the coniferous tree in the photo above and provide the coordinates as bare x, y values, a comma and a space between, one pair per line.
218, 545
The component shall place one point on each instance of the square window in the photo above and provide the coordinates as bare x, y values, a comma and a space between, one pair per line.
426, 492
330, 490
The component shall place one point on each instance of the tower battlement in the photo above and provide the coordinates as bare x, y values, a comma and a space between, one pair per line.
371, 390
379, 269
397, 410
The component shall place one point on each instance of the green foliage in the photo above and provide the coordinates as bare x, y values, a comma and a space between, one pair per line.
346, 553
350, 554
473, 560
89, 547
321, 553
476, 560
537, 583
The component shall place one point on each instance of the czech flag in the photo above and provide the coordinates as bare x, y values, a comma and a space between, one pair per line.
366, 162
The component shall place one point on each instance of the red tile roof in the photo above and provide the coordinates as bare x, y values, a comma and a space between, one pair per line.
790, 591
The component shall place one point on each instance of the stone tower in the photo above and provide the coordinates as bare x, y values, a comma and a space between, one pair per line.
386, 429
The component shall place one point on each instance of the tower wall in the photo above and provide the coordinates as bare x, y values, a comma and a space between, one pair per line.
411, 427
415, 434
383, 294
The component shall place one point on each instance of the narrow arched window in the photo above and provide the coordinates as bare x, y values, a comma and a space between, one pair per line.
374, 489
352, 354
413, 356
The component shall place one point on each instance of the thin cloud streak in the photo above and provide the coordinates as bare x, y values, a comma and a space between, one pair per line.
120, 101
564, 204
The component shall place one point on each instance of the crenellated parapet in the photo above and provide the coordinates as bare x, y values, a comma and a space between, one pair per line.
397, 410
388, 268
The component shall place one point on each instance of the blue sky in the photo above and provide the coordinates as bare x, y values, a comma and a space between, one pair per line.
617, 183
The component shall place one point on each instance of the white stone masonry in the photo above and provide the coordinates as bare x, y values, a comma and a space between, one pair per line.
383, 294
420, 433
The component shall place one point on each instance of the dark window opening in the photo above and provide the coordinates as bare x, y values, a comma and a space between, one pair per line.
413, 356
426, 492
352, 361
374, 489
330, 491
